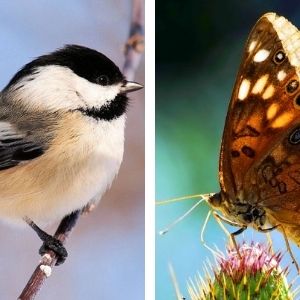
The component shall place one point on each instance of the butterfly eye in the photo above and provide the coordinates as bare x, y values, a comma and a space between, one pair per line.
295, 137
103, 80
279, 57
292, 86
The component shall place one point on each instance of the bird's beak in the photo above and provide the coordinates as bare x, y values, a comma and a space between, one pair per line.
130, 86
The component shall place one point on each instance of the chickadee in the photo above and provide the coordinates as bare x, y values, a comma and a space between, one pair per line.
62, 119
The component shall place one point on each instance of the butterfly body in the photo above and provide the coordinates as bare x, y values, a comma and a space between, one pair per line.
259, 166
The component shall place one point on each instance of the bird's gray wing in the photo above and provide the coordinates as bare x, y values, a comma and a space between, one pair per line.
16, 146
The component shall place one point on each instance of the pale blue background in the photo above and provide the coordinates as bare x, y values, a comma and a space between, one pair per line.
106, 250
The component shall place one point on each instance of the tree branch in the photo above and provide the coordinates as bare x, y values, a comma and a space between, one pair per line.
133, 51
135, 44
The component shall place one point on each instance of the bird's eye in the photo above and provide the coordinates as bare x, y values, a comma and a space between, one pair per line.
103, 80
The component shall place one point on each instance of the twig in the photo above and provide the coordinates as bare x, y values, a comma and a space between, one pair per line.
135, 44
133, 52
44, 268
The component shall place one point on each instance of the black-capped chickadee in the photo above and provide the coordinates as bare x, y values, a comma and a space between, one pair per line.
62, 119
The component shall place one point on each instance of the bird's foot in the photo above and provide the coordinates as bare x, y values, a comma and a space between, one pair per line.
52, 243
49, 243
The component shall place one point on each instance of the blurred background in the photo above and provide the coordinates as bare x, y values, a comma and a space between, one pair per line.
198, 51
106, 249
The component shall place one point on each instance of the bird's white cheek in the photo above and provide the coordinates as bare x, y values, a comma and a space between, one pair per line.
95, 95
51, 88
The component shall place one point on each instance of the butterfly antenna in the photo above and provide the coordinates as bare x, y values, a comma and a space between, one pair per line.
172, 200
170, 226
175, 282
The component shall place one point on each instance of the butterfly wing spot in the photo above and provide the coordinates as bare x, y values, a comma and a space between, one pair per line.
261, 55
297, 102
281, 75
248, 151
279, 57
235, 153
282, 187
267, 173
268, 93
292, 86
272, 110
282, 120
252, 46
260, 84
295, 137
273, 182
244, 89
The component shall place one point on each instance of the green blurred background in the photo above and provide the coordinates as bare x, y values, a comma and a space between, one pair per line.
198, 50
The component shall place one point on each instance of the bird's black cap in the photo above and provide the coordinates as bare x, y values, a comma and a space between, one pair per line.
85, 62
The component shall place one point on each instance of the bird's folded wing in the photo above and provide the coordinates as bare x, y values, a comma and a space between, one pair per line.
16, 146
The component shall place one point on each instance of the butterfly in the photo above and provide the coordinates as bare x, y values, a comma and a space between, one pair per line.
259, 166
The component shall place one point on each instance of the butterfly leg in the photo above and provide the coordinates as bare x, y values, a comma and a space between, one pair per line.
49, 243
267, 232
232, 236
289, 248
222, 218
267, 229
286, 242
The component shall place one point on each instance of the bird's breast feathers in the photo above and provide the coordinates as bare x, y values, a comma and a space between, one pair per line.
81, 162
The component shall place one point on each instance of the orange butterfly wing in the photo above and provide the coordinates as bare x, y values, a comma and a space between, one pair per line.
262, 111
260, 154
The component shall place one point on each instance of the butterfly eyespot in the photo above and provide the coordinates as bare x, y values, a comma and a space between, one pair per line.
295, 137
292, 86
297, 101
279, 57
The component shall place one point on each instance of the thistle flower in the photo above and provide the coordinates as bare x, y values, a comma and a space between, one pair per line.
252, 272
